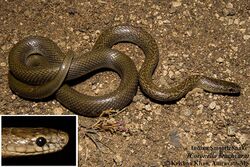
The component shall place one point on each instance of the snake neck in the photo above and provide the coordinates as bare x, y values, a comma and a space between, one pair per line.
168, 94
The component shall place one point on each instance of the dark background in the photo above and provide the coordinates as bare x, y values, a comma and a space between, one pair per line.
65, 123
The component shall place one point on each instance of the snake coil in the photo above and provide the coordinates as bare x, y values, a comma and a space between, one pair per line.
39, 69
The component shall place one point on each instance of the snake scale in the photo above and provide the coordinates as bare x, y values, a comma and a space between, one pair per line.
39, 69
32, 141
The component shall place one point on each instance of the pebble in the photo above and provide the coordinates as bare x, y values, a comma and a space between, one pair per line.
229, 5
187, 112
58, 111
220, 60
85, 37
176, 3
139, 106
212, 105
118, 160
236, 21
4, 47
80, 148
3, 64
174, 138
13, 97
242, 138
171, 74
229, 12
231, 130
148, 107
209, 138
246, 37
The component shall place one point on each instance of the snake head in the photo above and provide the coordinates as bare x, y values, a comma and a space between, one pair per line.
32, 141
219, 86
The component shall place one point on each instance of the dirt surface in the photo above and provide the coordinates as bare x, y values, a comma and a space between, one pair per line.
194, 37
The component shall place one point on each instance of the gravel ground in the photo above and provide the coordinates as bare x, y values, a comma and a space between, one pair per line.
194, 37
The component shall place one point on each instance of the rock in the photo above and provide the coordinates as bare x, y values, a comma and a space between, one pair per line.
187, 112
229, 12
231, 130
176, 3
220, 60
3, 64
171, 74
139, 106
118, 160
58, 111
85, 37
242, 137
246, 37
174, 138
148, 107
212, 105
229, 5
209, 138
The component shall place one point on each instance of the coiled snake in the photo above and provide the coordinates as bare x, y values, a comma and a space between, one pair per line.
38, 69
32, 141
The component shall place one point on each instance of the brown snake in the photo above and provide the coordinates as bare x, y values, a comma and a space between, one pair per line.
32, 141
38, 69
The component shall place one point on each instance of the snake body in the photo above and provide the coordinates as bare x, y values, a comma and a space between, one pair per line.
29, 78
32, 141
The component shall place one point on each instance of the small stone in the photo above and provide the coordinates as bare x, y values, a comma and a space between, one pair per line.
200, 107
171, 74
148, 107
229, 5
196, 91
231, 130
118, 160
3, 64
209, 138
97, 91
144, 141
58, 111
246, 37
85, 37
72, 11
236, 21
4, 47
13, 97
189, 33
157, 111
137, 98
229, 12
230, 21
80, 147
187, 112
139, 106
162, 81
242, 138
176, 3
212, 105
174, 138
198, 112
27, 13
149, 118
235, 48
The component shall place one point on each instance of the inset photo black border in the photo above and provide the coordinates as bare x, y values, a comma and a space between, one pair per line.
66, 157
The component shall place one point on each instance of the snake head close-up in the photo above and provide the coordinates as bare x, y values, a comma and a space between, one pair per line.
32, 141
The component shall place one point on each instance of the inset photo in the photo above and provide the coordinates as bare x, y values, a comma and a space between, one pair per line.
39, 140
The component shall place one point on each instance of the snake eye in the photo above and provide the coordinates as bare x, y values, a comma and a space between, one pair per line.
41, 141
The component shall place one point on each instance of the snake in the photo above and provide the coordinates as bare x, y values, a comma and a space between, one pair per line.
26, 141
39, 69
